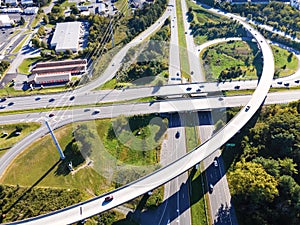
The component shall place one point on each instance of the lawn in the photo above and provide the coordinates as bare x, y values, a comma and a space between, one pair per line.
286, 63
201, 16
222, 56
183, 54
25, 65
10, 138
197, 199
98, 173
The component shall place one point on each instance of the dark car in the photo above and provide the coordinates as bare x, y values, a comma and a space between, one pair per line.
188, 88
51, 100
51, 115
2, 99
247, 108
177, 135
72, 98
109, 198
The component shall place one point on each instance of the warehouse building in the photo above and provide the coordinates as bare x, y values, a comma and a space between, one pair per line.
5, 21
67, 36
57, 72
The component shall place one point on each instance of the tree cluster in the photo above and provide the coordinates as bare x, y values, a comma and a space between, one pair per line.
231, 72
144, 17
277, 14
215, 30
4, 66
264, 181
17, 203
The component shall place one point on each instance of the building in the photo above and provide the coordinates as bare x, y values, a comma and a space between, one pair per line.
27, 2
239, 1
55, 78
57, 72
260, 1
295, 4
5, 21
31, 10
11, 2
66, 36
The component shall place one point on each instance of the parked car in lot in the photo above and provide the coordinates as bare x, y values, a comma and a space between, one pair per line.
177, 135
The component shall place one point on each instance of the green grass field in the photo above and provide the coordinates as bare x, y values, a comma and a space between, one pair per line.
225, 55
197, 199
41, 158
285, 62
6, 141
25, 65
201, 16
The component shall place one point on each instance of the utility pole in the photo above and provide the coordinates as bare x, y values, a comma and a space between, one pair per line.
62, 156
112, 33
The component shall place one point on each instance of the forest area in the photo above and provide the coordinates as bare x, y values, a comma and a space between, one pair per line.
263, 170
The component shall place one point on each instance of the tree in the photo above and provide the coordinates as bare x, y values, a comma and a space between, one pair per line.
251, 183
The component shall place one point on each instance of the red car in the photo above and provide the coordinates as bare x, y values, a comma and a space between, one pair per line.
109, 198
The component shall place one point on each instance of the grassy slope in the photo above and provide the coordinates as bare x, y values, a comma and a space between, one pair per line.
41, 158
281, 59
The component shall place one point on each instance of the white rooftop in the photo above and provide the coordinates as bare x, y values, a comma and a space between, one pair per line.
66, 35
4, 19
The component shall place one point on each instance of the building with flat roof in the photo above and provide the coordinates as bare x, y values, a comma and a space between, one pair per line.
11, 2
5, 21
26, 2
54, 78
31, 10
66, 36
57, 72
295, 4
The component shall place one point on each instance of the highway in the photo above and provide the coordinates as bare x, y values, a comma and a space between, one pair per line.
174, 59
167, 173
193, 55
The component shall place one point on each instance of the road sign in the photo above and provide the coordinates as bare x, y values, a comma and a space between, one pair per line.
230, 145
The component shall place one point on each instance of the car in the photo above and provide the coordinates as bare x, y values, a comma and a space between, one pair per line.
173, 78
51, 100
177, 135
188, 88
247, 108
38, 98
198, 90
178, 78
297, 81
216, 162
72, 98
237, 87
2, 106
221, 99
2, 99
96, 111
177, 74
10, 103
286, 84
185, 32
211, 188
279, 82
192, 72
51, 115
109, 198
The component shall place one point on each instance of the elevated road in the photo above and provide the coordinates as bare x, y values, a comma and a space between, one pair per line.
130, 191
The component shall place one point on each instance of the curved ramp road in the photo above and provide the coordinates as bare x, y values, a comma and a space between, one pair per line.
97, 205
